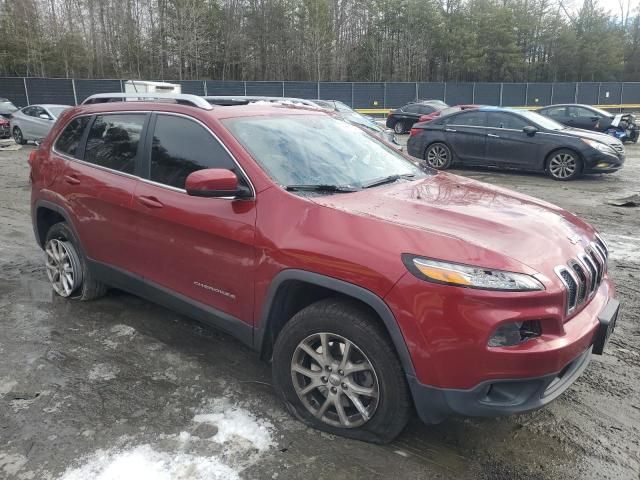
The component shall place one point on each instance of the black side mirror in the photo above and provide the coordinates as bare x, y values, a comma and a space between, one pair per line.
530, 130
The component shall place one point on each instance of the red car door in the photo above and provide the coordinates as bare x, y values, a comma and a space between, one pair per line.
98, 188
201, 248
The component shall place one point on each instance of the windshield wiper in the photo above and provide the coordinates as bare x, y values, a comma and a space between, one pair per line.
388, 179
321, 188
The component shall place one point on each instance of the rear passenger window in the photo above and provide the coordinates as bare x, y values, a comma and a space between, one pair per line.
505, 120
472, 119
113, 141
180, 147
69, 140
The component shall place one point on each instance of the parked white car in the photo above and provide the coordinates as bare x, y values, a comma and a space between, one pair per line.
34, 122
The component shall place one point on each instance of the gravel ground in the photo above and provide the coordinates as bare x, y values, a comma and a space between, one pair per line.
119, 381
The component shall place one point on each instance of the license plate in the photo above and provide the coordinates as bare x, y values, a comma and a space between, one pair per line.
607, 319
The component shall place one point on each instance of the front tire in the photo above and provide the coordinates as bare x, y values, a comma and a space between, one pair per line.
438, 156
66, 266
336, 370
564, 165
18, 137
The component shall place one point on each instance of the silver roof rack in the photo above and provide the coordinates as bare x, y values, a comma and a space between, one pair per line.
182, 98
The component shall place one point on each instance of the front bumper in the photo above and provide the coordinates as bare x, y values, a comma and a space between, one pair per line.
598, 162
496, 397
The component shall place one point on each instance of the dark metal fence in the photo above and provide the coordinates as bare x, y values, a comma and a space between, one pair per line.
369, 96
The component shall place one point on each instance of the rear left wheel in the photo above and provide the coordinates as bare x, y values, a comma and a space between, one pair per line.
438, 156
66, 267
335, 369
399, 127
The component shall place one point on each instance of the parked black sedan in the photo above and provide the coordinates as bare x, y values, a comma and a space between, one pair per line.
514, 139
402, 119
622, 125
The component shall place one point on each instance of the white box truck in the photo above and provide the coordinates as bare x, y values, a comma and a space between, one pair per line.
142, 86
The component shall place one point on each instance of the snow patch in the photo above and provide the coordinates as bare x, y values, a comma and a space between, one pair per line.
11, 463
123, 330
234, 422
145, 463
102, 371
624, 247
110, 344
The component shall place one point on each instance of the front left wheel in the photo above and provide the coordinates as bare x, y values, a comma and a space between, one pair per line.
564, 165
336, 370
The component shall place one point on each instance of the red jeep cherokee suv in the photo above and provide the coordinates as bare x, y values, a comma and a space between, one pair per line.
373, 285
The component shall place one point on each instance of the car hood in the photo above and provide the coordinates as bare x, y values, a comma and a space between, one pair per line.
470, 222
600, 137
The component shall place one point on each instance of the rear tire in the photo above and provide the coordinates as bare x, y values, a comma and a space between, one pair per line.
363, 396
399, 127
438, 155
564, 165
64, 258
18, 137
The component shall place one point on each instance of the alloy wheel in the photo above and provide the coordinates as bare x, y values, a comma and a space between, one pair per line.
563, 165
437, 156
62, 267
398, 128
17, 135
334, 380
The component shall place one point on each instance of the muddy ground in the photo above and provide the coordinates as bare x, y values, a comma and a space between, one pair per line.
79, 378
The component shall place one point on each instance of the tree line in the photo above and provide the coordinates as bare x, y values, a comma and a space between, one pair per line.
322, 40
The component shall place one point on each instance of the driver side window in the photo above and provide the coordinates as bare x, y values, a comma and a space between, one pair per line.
180, 147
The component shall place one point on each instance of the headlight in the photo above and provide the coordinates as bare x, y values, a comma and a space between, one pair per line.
469, 276
599, 146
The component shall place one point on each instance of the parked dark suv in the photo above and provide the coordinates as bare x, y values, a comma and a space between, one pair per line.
372, 285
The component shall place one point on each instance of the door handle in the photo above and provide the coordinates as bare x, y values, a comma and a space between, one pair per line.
151, 202
72, 179
492, 135
450, 130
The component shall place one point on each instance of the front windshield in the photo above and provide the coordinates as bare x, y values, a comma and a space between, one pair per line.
56, 111
541, 121
318, 150
341, 107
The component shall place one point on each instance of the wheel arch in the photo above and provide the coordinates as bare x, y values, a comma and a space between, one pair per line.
47, 214
282, 303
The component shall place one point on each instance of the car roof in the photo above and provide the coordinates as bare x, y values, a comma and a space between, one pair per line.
47, 105
568, 105
219, 112
489, 108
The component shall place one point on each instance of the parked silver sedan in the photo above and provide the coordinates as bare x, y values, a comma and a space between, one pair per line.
34, 122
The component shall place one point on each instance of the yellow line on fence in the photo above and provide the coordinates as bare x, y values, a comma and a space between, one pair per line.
528, 107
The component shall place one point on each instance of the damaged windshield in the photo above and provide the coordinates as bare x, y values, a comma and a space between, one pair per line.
317, 150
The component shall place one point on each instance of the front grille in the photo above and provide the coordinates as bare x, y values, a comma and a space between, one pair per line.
582, 275
618, 148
